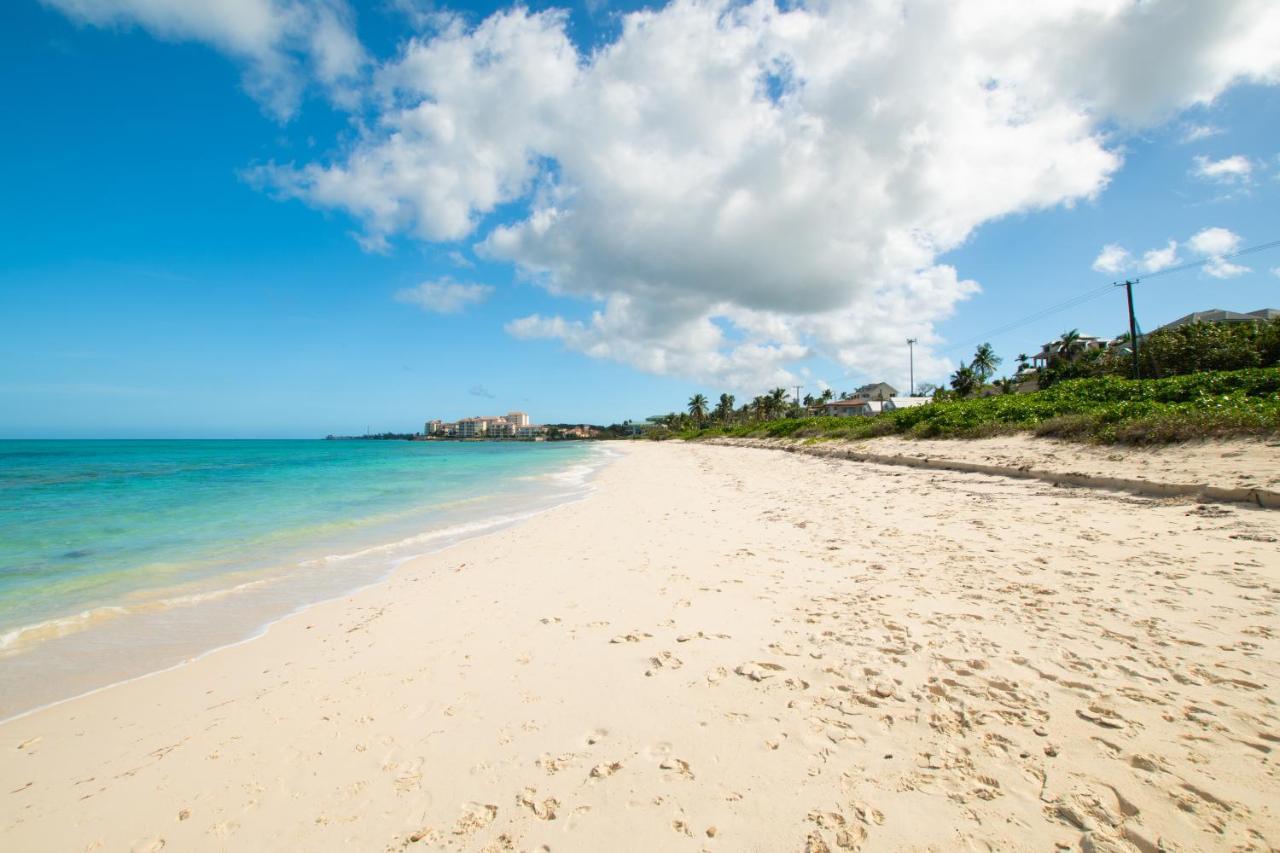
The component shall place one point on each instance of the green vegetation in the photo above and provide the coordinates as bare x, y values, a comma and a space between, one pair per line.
1170, 352
1103, 409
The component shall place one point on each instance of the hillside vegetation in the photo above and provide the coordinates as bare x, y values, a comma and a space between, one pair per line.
1106, 409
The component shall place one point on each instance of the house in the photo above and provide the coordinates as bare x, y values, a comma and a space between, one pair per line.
905, 402
1217, 315
851, 408
876, 391
1084, 343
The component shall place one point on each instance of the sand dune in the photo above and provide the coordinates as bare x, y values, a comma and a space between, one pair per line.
722, 649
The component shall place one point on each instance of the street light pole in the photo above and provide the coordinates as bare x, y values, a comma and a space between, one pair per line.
911, 346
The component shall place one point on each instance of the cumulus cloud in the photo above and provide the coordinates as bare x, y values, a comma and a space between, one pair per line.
444, 296
1155, 260
281, 42
1210, 243
1113, 258
739, 186
1229, 170
1216, 242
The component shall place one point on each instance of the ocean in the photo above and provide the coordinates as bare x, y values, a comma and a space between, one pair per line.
120, 558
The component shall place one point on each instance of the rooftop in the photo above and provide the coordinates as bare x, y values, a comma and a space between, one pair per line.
1219, 315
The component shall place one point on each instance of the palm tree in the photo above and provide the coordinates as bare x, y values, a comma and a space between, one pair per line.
826, 395
985, 361
724, 408
965, 381
777, 402
760, 407
698, 407
1069, 344
1022, 360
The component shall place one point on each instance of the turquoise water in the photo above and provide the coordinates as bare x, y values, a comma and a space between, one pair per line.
150, 551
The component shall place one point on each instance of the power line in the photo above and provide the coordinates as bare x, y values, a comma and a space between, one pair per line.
1031, 318
1193, 264
1098, 292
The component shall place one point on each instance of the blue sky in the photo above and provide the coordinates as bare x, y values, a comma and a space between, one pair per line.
171, 267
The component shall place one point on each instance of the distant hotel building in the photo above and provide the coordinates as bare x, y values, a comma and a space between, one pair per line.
510, 425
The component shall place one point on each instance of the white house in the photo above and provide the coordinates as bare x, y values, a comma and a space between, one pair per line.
905, 402
851, 408
1084, 343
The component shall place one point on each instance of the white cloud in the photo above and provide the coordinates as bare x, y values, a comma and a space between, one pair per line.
1229, 170
1197, 132
738, 186
1214, 241
1275, 271
444, 296
1155, 260
1113, 258
1222, 268
281, 42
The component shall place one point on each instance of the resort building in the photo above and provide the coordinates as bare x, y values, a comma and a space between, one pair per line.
510, 425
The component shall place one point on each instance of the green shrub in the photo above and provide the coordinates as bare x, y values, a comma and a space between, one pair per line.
1106, 409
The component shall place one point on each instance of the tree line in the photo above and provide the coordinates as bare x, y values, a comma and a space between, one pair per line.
1191, 348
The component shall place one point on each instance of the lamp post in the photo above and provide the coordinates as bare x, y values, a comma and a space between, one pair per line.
911, 347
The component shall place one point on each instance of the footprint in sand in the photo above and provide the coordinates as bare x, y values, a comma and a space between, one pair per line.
758, 670
678, 766
475, 817
631, 637
663, 660
554, 764
603, 771
544, 809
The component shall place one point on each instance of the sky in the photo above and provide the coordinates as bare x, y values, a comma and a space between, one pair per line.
289, 218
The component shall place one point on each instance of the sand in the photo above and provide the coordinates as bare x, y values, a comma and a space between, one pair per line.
722, 649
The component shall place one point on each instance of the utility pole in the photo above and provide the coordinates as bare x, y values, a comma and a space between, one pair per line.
911, 347
1133, 329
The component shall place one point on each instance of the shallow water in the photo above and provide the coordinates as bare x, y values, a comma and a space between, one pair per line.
119, 558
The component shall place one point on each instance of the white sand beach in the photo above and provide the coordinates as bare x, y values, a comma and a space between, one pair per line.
724, 649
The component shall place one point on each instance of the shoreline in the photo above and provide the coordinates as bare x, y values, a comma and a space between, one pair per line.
720, 648
432, 540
